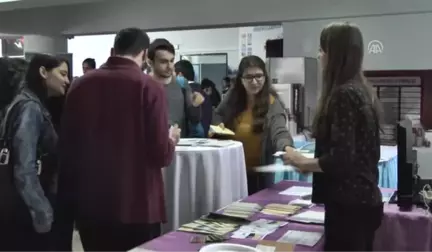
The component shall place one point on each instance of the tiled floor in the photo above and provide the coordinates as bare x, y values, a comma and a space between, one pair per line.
76, 242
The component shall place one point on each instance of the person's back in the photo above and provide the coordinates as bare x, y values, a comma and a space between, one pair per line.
109, 133
113, 145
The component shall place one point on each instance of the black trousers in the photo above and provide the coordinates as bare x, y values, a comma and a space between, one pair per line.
351, 228
259, 181
98, 236
22, 237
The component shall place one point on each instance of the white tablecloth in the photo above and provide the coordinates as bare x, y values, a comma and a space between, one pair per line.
201, 180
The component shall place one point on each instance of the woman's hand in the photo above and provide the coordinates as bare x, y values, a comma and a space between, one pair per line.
197, 99
296, 159
211, 133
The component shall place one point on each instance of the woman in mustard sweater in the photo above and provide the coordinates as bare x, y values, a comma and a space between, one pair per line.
252, 109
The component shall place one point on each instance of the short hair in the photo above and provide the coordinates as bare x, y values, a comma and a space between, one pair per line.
186, 68
131, 41
160, 44
90, 62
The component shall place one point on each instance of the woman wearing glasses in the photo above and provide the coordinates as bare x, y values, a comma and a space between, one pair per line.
252, 109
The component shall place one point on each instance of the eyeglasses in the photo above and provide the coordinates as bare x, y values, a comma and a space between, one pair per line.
257, 77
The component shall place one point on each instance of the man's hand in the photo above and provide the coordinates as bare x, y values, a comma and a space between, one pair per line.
197, 99
174, 133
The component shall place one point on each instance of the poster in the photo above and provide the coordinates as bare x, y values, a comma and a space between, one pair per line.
243, 42
243, 50
249, 51
249, 39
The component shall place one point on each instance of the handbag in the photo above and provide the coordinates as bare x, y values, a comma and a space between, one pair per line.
12, 207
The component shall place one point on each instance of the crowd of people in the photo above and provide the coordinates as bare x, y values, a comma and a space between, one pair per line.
99, 169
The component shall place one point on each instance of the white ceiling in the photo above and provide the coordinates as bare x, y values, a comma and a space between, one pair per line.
28, 4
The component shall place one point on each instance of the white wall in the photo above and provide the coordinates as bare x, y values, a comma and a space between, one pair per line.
406, 39
188, 42
45, 44
111, 16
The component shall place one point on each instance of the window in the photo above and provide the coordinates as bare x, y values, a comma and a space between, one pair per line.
400, 98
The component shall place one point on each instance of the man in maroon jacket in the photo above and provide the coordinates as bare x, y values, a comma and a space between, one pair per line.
114, 141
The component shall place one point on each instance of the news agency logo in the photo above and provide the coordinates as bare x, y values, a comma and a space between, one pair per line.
375, 47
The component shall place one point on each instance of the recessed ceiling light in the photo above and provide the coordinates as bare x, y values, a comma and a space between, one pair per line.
7, 1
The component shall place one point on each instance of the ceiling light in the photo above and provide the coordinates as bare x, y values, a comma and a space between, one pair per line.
8, 1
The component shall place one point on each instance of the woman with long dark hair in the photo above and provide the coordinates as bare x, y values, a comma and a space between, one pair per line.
346, 129
252, 109
209, 87
26, 186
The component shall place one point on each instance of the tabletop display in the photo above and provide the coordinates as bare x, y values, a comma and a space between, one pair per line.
297, 222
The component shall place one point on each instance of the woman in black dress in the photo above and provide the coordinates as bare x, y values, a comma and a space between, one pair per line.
346, 129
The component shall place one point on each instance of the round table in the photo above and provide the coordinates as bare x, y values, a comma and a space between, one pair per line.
201, 180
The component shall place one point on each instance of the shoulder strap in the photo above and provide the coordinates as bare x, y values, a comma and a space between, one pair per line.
5, 119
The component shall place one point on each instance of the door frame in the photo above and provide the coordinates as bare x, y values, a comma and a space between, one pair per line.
208, 54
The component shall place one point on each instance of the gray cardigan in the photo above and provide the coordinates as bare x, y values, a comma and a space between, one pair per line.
275, 136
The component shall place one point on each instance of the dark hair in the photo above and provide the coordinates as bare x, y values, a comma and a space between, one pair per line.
237, 100
207, 83
160, 44
186, 68
34, 80
131, 41
229, 82
90, 62
12, 73
215, 95
343, 46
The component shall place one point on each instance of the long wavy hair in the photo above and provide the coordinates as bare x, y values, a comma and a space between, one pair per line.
37, 85
237, 98
343, 46
34, 80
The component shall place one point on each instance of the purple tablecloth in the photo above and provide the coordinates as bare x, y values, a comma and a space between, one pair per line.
401, 231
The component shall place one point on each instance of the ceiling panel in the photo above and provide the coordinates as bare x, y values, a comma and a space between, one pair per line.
28, 4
